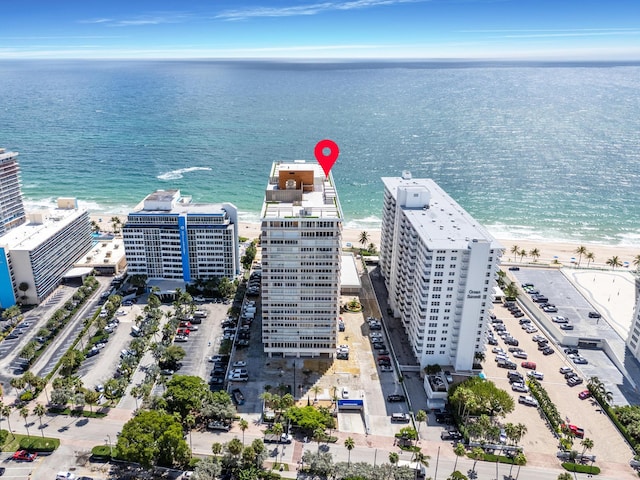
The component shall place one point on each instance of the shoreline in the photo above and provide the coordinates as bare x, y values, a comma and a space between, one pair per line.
549, 250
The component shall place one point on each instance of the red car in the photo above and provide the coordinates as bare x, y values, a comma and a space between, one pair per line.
584, 394
24, 456
577, 431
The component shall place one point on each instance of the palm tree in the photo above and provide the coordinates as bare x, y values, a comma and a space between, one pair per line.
421, 459
40, 410
243, 424
565, 476
349, 444
24, 413
115, 223
394, 458
519, 460
476, 454
581, 250
421, 416
5, 411
522, 253
535, 254
587, 444
636, 262
515, 250
460, 451
614, 262
216, 448
316, 390
364, 238
590, 256
318, 436
190, 421
519, 431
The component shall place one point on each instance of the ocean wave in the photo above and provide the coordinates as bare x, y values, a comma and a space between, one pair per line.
176, 174
371, 221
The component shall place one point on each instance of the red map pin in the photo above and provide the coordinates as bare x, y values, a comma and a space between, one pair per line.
326, 161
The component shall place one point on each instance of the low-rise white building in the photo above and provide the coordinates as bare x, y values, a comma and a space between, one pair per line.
439, 266
35, 256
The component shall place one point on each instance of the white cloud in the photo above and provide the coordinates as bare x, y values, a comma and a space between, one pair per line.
300, 10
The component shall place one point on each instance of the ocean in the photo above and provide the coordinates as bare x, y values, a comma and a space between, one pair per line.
536, 151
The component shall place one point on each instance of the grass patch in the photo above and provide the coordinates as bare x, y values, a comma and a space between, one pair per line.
277, 466
490, 457
39, 444
12, 442
77, 413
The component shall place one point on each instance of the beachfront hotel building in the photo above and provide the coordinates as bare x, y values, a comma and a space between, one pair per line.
439, 265
12, 212
39, 253
169, 237
633, 340
301, 254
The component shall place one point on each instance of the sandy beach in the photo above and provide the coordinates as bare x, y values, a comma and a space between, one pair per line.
549, 251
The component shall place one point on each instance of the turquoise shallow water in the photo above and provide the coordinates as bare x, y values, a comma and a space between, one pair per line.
535, 151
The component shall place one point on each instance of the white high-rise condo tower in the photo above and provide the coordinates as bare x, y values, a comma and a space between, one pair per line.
301, 245
439, 266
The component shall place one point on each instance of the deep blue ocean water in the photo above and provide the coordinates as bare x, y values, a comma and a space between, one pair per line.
532, 151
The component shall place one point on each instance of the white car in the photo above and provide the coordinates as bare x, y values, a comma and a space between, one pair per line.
345, 393
536, 375
65, 476
386, 368
239, 364
237, 377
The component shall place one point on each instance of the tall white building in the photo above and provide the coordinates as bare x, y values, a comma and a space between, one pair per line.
301, 254
439, 266
37, 255
633, 340
12, 212
169, 237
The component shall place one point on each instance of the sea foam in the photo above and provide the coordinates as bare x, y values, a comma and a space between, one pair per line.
176, 174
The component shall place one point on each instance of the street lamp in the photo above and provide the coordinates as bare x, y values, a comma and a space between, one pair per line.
110, 446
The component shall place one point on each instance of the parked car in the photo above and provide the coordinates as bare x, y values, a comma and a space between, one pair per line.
24, 456
528, 400
396, 398
565, 370
537, 375
594, 315
519, 387
548, 351
529, 365
584, 394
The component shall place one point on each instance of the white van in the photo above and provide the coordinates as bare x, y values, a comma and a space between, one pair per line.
135, 331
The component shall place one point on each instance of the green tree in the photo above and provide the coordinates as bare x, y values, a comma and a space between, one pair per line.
519, 460
565, 476
590, 256
581, 250
364, 238
394, 458
208, 468
511, 291
225, 287
216, 448
40, 410
24, 413
349, 444
522, 253
460, 451
5, 411
243, 424
172, 356
614, 262
421, 416
91, 397
476, 454
185, 394
515, 249
153, 437
190, 421
456, 475
535, 254
587, 444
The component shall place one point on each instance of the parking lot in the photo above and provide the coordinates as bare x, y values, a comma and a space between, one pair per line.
588, 333
609, 444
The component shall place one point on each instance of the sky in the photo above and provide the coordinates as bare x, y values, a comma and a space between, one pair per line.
321, 29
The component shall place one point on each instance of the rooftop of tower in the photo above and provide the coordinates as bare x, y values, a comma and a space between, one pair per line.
436, 217
300, 189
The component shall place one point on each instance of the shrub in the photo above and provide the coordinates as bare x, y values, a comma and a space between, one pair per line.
102, 451
576, 467
26, 396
